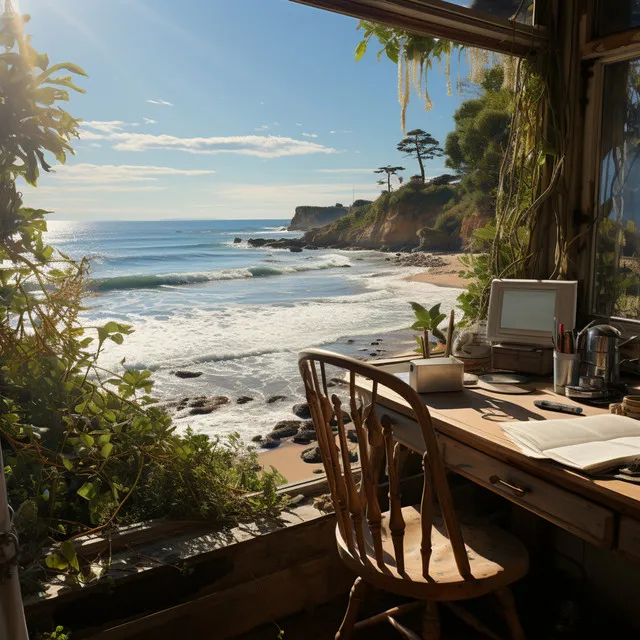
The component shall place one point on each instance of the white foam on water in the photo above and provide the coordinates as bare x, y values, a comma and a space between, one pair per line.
251, 349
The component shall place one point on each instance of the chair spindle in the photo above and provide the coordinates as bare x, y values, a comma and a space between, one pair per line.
373, 511
426, 515
353, 498
396, 521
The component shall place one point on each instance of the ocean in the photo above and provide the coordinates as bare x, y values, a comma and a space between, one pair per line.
237, 315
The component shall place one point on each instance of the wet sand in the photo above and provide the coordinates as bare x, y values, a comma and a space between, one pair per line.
286, 458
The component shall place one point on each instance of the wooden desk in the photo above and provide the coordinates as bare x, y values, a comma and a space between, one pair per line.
604, 512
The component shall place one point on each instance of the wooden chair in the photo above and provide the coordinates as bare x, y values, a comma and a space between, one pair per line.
421, 552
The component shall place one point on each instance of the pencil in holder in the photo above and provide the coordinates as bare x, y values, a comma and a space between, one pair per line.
566, 370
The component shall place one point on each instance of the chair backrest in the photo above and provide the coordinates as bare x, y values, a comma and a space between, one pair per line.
357, 507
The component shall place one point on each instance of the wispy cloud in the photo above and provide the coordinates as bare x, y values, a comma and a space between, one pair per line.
120, 173
161, 102
298, 124
106, 126
262, 127
259, 146
253, 145
344, 170
91, 188
149, 121
341, 131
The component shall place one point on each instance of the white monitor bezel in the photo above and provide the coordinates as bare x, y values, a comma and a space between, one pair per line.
565, 311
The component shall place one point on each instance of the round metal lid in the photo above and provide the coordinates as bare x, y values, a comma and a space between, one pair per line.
604, 330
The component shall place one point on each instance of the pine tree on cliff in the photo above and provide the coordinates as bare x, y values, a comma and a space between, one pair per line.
420, 145
390, 171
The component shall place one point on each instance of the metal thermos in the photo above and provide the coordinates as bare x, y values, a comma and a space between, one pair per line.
602, 352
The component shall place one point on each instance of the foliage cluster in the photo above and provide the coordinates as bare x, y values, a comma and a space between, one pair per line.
85, 449
477, 145
500, 151
422, 146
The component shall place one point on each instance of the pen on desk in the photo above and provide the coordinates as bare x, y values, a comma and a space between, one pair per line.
561, 338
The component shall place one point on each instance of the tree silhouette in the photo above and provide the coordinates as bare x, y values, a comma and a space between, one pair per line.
420, 145
390, 171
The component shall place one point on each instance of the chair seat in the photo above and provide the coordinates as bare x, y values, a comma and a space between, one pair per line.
497, 559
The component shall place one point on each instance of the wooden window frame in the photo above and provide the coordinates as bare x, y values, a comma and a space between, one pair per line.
443, 20
596, 55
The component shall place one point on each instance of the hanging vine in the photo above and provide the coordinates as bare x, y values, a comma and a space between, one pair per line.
532, 175
415, 55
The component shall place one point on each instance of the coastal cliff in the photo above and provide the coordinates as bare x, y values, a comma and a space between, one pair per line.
412, 216
306, 218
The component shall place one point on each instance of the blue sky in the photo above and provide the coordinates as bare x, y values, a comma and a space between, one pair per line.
222, 109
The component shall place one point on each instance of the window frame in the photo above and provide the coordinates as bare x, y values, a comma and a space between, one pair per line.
443, 20
596, 55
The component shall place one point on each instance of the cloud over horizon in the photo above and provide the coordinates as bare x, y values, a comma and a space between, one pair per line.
110, 173
251, 145
260, 146
162, 102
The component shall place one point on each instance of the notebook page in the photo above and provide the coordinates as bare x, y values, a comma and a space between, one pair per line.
597, 455
544, 435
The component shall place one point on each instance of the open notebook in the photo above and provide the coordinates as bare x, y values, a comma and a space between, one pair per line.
589, 444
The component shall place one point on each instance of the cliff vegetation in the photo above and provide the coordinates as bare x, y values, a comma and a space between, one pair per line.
442, 213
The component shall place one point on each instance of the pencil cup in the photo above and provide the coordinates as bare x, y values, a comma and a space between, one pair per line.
566, 370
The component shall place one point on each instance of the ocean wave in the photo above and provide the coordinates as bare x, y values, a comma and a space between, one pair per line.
152, 281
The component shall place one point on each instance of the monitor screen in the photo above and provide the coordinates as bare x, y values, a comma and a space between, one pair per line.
522, 311
528, 310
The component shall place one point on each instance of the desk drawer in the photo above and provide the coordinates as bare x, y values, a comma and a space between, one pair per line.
629, 538
565, 509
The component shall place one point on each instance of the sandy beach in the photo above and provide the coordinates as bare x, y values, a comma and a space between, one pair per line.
447, 275
286, 458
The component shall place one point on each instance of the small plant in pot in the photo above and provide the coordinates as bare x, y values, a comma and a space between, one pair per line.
427, 321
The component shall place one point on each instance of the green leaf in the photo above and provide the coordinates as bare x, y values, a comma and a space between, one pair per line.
435, 310
87, 491
392, 53
117, 338
361, 49
61, 66
106, 450
69, 552
87, 440
67, 463
54, 561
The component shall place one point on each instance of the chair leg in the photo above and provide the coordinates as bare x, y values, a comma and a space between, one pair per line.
356, 596
431, 622
508, 606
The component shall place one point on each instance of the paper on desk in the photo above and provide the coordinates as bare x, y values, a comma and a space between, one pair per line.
589, 444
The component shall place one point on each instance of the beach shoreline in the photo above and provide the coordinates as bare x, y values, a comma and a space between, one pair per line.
446, 275
286, 457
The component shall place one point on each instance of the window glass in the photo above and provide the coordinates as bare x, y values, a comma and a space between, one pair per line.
626, 15
617, 268
518, 10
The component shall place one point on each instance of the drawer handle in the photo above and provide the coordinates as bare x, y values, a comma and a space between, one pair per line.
518, 491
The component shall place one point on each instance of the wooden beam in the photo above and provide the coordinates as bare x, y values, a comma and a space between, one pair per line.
616, 46
442, 20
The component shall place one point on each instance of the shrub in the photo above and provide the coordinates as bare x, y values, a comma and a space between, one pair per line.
85, 449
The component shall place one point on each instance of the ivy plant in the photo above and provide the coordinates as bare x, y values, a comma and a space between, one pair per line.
85, 449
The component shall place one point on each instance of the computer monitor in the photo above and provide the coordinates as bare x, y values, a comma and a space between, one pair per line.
522, 311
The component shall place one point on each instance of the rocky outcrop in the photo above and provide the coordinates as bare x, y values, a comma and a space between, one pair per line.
392, 221
437, 240
306, 218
